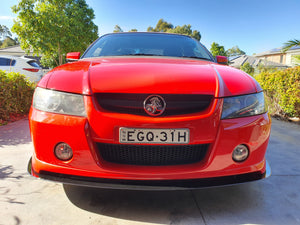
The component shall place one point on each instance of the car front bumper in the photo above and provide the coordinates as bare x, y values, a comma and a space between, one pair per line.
87, 167
150, 184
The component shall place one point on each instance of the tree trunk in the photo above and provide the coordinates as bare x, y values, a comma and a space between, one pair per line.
60, 57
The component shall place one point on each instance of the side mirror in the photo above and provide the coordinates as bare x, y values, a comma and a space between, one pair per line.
73, 56
222, 59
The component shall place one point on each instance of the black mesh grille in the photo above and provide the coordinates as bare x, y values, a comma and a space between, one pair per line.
134, 103
153, 155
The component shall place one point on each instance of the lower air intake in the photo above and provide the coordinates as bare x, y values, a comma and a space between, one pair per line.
152, 155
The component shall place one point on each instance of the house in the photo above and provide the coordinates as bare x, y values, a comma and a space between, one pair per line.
238, 61
278, 56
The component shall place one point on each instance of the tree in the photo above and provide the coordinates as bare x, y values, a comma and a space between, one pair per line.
4, 32
186, 29
234, 51
53, 28
8, 42
163, 26
117, 29
217, 49
289, 44
246, 67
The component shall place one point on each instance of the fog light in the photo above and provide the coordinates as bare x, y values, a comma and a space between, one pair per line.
63, 151
240, 153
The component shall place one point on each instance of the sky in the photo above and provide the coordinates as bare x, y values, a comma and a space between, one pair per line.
253, 25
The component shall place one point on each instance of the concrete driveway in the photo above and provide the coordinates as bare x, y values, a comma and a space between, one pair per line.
26, 200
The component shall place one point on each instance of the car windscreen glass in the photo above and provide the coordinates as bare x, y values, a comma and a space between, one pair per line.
33, 63
5, 62
147, 44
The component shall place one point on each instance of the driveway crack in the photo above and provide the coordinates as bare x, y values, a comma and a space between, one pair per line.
198, 206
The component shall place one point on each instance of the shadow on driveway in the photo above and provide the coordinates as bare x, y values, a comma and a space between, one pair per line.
270, 201
15, 133
168, 207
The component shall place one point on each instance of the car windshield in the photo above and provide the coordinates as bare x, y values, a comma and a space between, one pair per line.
147, 44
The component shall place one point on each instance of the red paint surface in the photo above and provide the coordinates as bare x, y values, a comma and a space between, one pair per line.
150, 75
153, 76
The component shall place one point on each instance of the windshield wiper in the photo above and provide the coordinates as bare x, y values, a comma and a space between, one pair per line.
145, 54
142, 54
195, 57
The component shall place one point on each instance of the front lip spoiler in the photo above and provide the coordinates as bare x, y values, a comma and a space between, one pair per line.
149, 184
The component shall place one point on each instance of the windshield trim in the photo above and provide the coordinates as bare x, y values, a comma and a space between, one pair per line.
211, 58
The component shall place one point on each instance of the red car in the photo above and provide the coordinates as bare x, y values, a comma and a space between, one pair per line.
148, 110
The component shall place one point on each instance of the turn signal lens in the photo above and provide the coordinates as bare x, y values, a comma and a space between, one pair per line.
63, 151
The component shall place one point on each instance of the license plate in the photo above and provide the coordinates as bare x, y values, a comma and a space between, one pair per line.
161, 136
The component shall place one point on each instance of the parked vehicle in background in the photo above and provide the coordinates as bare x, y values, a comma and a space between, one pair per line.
26, 66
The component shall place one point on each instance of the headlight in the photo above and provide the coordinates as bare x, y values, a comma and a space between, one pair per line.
58, 102
242, 106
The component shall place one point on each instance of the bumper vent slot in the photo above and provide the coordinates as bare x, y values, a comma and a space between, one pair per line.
152, 155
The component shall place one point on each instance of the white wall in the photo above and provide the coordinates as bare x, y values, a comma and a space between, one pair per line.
290, 61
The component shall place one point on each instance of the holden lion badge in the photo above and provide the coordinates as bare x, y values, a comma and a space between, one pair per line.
154, 105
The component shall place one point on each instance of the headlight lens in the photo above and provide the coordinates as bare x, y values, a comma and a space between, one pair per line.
58, 102
242, 106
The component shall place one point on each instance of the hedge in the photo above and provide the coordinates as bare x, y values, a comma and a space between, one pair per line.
15, 95
282, 89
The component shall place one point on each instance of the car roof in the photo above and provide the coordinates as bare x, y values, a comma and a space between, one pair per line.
8, 56
22, 58
28, 59
17, 57
150, 33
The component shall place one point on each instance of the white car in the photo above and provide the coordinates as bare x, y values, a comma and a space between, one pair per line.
26, 66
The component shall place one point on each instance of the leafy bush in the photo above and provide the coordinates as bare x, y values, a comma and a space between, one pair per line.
263, 68
282, 89
247, 68
15, 95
